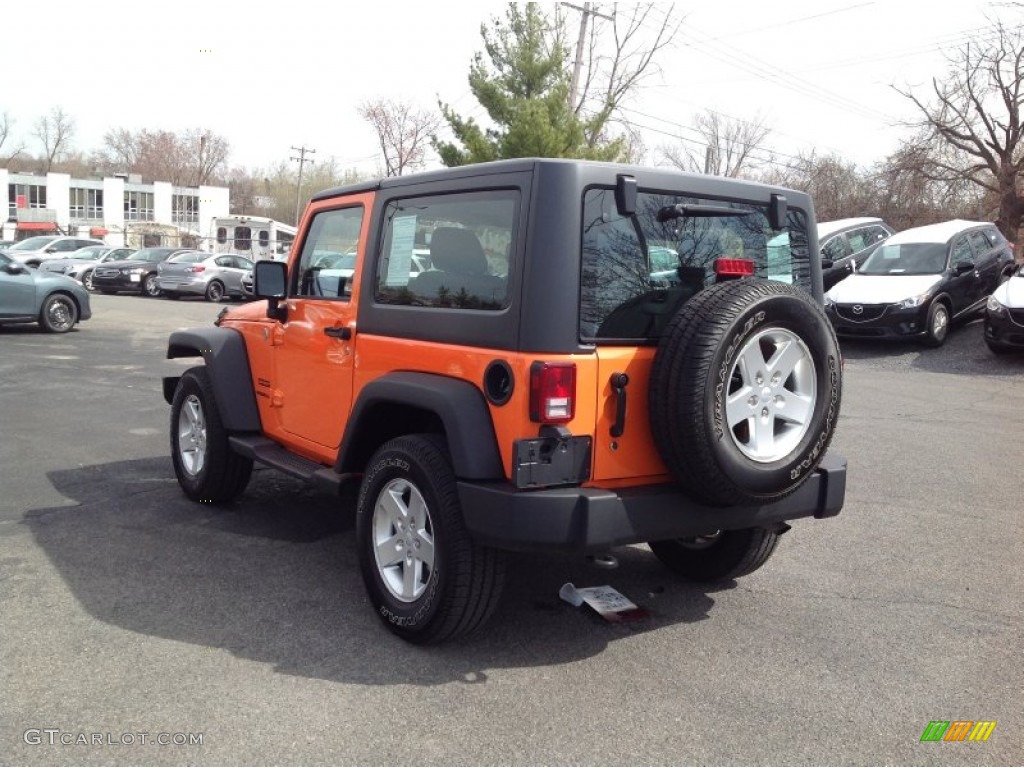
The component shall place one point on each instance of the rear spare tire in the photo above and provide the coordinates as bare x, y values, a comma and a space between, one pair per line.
745, 391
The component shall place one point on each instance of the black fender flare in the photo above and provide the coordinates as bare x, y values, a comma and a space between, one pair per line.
223, 351
459, 405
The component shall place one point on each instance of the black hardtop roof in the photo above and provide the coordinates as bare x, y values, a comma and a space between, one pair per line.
592, 171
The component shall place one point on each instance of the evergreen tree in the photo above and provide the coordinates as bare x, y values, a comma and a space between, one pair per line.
524, 87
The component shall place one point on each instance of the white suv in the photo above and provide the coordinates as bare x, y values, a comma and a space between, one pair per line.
35, 250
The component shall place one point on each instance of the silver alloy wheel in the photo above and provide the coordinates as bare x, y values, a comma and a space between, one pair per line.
60, 315
150, 287
87, 280
940, 323
773, 391
192, 436
403, 540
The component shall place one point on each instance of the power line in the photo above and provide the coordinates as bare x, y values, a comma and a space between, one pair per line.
301, 159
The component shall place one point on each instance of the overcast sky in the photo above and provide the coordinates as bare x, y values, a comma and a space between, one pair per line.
269, 76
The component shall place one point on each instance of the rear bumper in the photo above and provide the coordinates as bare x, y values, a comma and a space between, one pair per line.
592, 519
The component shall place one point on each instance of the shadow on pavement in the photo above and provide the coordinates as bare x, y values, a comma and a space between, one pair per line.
274, 579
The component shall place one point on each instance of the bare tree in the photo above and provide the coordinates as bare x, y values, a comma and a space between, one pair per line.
206, 153
6, 124
54, 132
728, 148
620, 53
403, 133
192, 158
971, 122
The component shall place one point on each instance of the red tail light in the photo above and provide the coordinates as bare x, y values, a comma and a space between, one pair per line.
200, 268
552, 392
734, 267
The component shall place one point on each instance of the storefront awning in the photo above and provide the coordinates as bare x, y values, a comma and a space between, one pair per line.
98, 232
38, 226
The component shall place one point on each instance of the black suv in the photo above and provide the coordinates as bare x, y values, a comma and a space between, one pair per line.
920, 281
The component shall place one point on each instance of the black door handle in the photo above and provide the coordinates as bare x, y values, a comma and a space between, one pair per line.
619, 382
342, 332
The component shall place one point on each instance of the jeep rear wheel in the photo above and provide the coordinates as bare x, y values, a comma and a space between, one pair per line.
426, 578
206, 467
718, 556
744, 392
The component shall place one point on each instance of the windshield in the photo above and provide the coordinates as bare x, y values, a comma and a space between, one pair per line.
637, 271
32, 244
906, 259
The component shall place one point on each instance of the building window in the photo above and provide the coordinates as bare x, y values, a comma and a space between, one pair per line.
243, 238
86, 203
138, 206
151, 240
25, 196
184, 209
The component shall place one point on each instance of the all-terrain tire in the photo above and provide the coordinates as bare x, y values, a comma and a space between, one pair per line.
206, 467
745, 391
426, 578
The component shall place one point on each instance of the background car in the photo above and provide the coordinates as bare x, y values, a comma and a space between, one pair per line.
29, 295
920, 281
137, 273
1004, 315
199, 273
80, 264
847, 242
33, 251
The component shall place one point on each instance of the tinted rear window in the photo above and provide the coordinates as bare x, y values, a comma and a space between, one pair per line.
637, 271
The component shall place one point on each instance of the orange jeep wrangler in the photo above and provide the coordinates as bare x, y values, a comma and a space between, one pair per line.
529, 354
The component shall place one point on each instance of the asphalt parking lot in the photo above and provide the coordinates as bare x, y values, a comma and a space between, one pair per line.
126, 609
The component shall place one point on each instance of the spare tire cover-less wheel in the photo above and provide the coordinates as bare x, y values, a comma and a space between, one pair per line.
745, 391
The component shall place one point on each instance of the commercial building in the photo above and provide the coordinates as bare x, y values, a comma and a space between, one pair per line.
120, 210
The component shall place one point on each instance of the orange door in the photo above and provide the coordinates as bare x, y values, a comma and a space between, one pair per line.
630, 454
316, 345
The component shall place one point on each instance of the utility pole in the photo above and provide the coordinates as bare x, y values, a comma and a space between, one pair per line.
585, 13
301, 160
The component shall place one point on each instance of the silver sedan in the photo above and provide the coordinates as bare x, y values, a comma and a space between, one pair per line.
211, 275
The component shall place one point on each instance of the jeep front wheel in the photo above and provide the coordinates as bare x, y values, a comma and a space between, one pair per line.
719, 555
744, 392
427, 579
206, 467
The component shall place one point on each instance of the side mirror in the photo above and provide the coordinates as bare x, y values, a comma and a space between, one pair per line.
14, 268
963, 267
270, 279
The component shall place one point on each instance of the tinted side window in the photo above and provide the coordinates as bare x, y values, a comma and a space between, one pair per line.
981, 244
448, 251
328, 260
836, 248
961, 250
